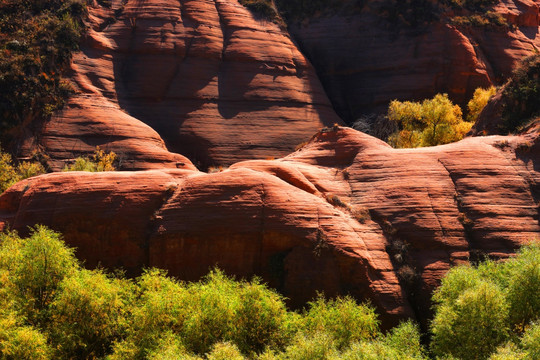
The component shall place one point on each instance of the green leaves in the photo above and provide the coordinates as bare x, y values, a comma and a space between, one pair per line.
478, 310
36, 42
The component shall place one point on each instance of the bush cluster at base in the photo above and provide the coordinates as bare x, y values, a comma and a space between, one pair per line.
490, 310
52, 308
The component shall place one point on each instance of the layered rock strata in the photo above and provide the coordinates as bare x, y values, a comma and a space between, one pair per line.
345, 214
365, 60
216, 84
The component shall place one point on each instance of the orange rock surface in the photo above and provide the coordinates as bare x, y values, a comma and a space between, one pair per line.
203, 74
364, 61
345, 214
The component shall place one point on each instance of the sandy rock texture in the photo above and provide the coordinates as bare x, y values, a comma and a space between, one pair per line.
201, 78
345, 214
365, 60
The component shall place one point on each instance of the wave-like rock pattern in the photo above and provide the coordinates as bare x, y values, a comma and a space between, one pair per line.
217, 85
346, 214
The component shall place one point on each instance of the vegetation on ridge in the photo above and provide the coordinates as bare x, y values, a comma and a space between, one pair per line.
432, 122
521, 95
36, 41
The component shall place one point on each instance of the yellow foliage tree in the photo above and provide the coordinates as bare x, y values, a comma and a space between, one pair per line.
432, 122
479, 101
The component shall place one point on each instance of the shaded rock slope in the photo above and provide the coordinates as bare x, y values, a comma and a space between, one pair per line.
365, 60
194, 77
345, 214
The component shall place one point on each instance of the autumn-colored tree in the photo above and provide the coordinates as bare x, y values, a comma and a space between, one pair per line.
432, 122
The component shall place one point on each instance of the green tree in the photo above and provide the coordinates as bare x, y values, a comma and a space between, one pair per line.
343, 319
89, 313
34, 268
11, 173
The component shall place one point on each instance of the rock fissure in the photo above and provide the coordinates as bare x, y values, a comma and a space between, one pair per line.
475, 254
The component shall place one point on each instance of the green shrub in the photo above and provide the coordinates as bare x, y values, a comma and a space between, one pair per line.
315, 346
225, 351
11, 173
530, 341
342, 319
99, 161
20, 342
170, 347
91, 308
432, 122
34, 268
479, 309
36, 41
520, 95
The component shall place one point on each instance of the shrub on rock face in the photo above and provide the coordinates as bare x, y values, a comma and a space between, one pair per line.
36, 41
99, 161
478, 102
11, 173
521, 94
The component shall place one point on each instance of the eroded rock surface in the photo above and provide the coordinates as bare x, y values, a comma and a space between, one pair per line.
365, 60
346, 214
217, 85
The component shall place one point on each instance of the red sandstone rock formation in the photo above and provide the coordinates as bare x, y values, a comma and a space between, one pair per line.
346, 214
217, 86
365, 61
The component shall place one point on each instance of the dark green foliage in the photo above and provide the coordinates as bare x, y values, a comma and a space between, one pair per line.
262, 8
472, 5
36, 41
521, 95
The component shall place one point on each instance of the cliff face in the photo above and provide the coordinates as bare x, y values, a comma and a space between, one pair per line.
365, 60
346, 214
204, 75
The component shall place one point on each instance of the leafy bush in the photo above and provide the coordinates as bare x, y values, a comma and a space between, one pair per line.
19, 341
521, 94
33, 270
52, 308
432, 122
262, 8
99, 161
91, 308
477, 310
36, 41
11, 173
343, 319
478, 102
